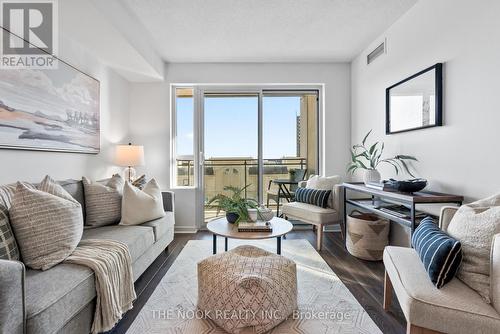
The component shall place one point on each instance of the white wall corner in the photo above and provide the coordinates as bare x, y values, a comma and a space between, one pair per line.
127, 23
115, 37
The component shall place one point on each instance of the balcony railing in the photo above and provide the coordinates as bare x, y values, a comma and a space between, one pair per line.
185, 167
221, 172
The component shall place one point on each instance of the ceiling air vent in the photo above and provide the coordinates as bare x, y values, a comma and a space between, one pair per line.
379, 50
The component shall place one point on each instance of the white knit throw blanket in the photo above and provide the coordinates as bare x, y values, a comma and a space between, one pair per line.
114, 282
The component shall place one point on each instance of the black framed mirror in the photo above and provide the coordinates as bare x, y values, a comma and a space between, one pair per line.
415, 102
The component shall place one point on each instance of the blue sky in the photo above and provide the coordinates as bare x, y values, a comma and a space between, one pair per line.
231, 126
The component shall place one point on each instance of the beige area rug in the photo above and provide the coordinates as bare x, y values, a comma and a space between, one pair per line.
325, 304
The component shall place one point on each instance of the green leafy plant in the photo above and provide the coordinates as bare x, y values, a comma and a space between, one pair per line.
234, 203
365, 156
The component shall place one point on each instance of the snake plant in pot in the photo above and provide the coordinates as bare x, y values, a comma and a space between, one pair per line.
369, 157
235, 206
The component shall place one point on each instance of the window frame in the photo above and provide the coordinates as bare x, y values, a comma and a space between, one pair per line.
199, 89
173, 137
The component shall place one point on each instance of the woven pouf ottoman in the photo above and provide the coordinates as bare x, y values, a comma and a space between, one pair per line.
367, 235
247, 289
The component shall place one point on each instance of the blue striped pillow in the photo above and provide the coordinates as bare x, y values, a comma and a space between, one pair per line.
313, 196
440, 253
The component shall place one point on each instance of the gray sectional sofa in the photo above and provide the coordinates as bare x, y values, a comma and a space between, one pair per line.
62, 299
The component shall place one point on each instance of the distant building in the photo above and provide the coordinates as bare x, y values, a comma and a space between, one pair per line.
298, 134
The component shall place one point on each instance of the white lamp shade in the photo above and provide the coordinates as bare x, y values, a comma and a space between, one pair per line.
130, 155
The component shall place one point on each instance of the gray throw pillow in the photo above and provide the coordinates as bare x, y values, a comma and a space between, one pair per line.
47, 223
8, 245
103, 201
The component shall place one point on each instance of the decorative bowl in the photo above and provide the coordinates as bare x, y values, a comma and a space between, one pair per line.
265, 214
411, 186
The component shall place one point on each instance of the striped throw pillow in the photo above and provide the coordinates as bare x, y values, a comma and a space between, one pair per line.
440, 253
7, 192
47, 223
313, 196
103, 203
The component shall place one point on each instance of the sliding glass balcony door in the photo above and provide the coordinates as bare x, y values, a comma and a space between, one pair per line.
250, 138
289, 141
231, 132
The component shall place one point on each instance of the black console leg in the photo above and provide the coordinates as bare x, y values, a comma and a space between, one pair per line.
215, 245
225, 244
278, 245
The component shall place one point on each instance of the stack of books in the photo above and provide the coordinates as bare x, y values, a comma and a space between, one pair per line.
259, 226
383, 185
401, 211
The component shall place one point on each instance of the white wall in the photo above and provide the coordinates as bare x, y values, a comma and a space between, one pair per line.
150, 118
33, 165
462, 156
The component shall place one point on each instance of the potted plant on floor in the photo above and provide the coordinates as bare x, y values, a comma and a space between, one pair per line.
235, 206
369, 157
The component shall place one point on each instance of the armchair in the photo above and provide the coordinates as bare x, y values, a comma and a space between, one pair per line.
315, 215
455, 308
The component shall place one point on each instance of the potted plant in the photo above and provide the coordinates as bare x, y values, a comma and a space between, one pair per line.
370, 157
235, 206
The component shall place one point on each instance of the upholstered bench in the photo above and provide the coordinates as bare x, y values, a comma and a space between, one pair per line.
247, 288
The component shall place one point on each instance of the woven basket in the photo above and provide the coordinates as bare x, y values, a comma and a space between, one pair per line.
367, 235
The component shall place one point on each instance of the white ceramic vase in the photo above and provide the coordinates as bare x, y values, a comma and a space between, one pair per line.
252, 214
371, 175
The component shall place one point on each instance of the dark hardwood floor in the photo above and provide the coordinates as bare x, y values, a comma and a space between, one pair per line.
363, 278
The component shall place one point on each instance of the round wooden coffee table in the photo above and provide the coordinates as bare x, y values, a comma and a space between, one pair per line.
227, 230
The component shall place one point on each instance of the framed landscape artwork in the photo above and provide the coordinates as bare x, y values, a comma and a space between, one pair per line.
49, 110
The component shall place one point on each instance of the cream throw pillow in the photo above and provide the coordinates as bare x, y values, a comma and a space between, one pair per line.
47, 223
324, 183
140, 206
474, 225
103, 201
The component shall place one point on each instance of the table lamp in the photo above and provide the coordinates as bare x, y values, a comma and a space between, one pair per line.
130, 156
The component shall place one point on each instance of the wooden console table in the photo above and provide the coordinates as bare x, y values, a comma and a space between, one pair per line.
377, 198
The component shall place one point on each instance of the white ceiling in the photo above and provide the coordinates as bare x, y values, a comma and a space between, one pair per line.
264, 30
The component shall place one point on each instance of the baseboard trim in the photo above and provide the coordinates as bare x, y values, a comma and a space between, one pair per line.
185, 229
